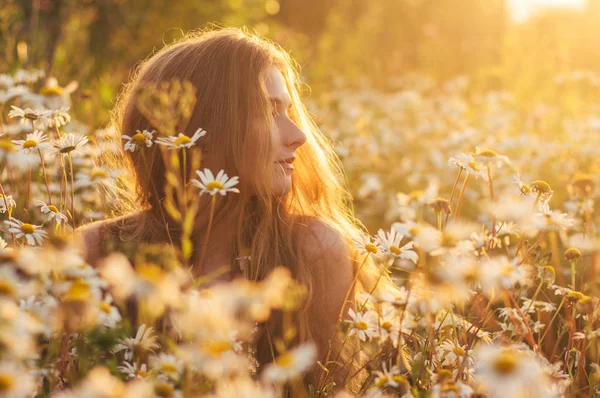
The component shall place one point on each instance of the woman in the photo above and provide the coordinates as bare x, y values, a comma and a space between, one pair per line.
292, 208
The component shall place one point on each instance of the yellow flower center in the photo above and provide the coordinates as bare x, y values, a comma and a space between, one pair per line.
51, 90
182, 140
67, 149
381, 381
7, 288
211, 186
27, 228
6, 145
163, 390
489, 153
216, 348
505, 363
79, 291
459, 351
30, 144
30, 115
371, 248
53, 208
396, 250
572, 254
387, 325
168, 367
97, 174
6, 382
139, 139
104, 306
150, 272
284, 360
541, 186
360, 325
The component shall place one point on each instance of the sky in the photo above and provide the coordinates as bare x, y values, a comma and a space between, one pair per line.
521, 9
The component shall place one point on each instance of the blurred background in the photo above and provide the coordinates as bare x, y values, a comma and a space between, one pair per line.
516, 45
399, 85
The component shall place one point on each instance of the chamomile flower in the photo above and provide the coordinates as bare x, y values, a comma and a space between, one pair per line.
510, 372
366, 244
291, 364
131, 371
489, 157
167, 365
140, 139
390, 241
389, 377
69, 143
52, 212
468, 164
27, 115
7, 203
362, 324
213, 185
109, 314
57, 117
33, 234
144, 340
181, 141
33, 141
16, 380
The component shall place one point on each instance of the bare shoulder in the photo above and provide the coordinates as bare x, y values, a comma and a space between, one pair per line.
92, 236
329, 256
324, 242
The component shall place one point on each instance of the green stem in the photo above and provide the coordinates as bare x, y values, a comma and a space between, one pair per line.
460, 196
213, 200
553, 318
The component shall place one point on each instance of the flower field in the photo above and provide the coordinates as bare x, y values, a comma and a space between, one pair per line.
480, 209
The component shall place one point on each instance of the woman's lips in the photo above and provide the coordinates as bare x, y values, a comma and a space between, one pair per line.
286, 165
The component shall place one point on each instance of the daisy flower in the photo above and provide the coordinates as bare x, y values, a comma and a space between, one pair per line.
489, 157
181, 141
510, 372
8, 201
366, 244
138, 140
167, 365
57, 118
467, 163
109, 314
389, 378
33, 141
69, 143
390, 241
362, 324
291, 364
34, 234
52, 212
144, 340
131, 371
213, 185
27, 115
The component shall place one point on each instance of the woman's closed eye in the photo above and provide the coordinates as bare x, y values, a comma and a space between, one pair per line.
278, 108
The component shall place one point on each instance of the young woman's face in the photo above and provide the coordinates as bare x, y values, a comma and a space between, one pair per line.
288, 137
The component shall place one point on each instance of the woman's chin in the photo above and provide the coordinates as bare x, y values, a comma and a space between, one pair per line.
282, 187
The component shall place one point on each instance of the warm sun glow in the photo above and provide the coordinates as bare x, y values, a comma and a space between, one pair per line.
523, 9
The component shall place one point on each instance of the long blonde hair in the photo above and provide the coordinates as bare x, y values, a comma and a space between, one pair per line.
227, 67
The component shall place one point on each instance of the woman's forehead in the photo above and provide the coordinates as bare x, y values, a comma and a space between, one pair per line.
276, 85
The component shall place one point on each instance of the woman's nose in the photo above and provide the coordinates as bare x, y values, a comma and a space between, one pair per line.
293, 136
